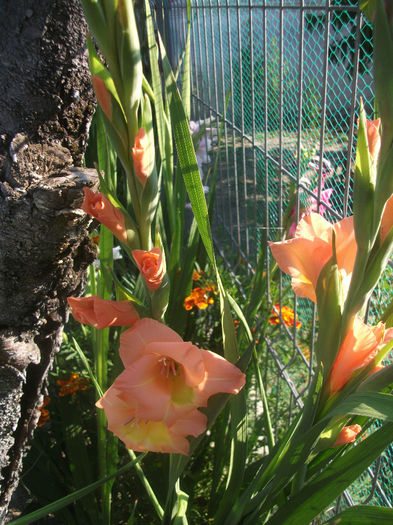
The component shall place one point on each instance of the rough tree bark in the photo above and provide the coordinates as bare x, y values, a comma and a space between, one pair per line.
45, 112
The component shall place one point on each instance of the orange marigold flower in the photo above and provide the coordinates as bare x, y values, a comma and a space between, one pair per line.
199, 297
72, 384
196, 275
287, 315
44, 412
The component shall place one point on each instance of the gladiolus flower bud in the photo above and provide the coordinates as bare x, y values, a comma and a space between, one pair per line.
102, 313
103, 95
151, 266
347, 435
374, 137
100, 207
140, 156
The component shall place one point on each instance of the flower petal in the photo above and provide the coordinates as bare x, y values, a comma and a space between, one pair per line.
142, 385
144, 331
221, 376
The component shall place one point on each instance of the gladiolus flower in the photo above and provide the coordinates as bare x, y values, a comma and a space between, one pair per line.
140, 156
374, 137
153, 403
151, 266
304, 256
360, 346
347, 435
102, 313
100, 207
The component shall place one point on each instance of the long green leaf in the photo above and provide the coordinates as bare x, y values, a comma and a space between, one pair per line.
363, 515
370, 404
186, 78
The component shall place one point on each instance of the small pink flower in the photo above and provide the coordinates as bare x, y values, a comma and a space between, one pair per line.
347, 435
102, 313
100, 207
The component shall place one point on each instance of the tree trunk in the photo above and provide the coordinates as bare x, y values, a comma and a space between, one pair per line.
45, 115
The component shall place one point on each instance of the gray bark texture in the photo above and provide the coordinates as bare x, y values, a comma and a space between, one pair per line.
46, 108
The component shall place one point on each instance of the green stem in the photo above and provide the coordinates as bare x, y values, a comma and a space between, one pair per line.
266, 413
145, 482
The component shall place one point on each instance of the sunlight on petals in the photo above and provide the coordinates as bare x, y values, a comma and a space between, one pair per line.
304, 256
360, 346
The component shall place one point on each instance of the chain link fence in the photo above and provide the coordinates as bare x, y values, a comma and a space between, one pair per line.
284, 78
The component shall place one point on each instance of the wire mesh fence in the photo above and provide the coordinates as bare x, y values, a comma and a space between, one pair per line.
285, 79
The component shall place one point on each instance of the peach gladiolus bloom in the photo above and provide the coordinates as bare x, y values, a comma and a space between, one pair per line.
140, 156
374, 137
360, 346
102, 313
304, 256
152, 405
100, 207
347, 435
151, 266
143, 435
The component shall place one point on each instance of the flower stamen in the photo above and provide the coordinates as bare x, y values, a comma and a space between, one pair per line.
168, 366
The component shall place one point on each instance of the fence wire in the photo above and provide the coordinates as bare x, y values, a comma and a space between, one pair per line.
294, 72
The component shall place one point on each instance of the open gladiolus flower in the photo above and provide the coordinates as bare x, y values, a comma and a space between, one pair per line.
153, 403
100, 207
140, 156
151, 266
360, 346
102, 313
347, 435
304, 256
